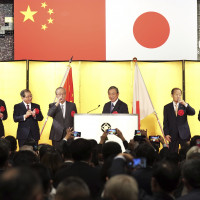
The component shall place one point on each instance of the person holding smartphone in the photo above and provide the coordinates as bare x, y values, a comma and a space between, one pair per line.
176, 128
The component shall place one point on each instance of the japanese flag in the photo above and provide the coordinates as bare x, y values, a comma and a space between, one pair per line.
151, 29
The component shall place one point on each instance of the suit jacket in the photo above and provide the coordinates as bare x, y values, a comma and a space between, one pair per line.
60, 124
120, 107
5, 116
193, 195
177, 126
30, 124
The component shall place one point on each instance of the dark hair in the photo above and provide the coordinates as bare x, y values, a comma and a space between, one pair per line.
113, 87
19, 184
59, 89
81, 149
44, 175
4, 152
145, 150
167, 174
172, 92
111, 148
31, 142
13, 142
24, 158
193, 141
71, 188
191, 172
22, 93
65, 150
44, 148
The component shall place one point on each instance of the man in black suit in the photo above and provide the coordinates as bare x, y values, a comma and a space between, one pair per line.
27, 114
3, 116
114, 105
176, 128
62, 113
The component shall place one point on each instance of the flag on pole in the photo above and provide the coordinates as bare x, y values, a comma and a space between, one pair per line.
142, 104
68, 85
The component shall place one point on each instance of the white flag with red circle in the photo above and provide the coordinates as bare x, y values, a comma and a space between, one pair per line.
151, 29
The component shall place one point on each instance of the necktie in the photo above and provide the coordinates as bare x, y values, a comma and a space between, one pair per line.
176, 111
111, 107
62, 108
27, 107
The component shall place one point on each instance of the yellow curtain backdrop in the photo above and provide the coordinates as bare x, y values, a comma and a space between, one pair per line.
192, 83
13, 80
160, 78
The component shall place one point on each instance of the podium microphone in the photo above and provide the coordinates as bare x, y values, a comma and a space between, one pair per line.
93, 109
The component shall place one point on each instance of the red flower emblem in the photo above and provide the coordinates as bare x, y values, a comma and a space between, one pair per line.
115, 112
72, 113
37, 111
181, 112
2, 109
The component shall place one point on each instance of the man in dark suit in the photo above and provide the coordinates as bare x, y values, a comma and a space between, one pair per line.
27, 114
114, 105
62, 113
3, 116
176, 128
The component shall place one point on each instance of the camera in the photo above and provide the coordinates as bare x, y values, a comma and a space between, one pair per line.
76, 134
155, 141
112, 131
138, 136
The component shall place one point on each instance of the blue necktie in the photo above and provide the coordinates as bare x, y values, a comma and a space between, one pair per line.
111, 107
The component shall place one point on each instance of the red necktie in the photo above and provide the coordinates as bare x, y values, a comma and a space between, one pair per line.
27, 107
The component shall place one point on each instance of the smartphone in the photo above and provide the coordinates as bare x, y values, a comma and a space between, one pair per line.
138, 163
112, 131
198, 142
76, 134
138, 133
154, 139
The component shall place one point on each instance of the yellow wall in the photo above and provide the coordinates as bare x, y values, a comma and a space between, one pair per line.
91, 82
12, 81
192, 83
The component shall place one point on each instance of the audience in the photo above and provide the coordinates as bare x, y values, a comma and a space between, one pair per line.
81, 168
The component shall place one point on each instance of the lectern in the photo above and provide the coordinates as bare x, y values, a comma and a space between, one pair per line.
92, 126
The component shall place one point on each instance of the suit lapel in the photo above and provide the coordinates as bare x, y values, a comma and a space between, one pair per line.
172, 109
116, 106
23, 107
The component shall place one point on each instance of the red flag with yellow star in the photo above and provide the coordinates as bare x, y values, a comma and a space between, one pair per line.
68, 85
56, 30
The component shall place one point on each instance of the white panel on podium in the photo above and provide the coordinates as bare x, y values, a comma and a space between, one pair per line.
91, 125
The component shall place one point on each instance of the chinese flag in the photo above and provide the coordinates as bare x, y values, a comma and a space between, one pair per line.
59, 29
68, 85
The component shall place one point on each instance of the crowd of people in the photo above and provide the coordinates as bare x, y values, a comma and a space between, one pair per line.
84, 169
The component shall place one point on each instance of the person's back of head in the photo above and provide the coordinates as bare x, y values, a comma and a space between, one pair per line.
111, 149
193, 152
191, 174
4, 153
44, 148
65, 150
20, 184
121, 187
81, 150
44, 175
165, 177
193, 140
72, 188
13, 142
24, 158
145, 150
31, 142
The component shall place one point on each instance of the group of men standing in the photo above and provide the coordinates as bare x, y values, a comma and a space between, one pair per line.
27, 114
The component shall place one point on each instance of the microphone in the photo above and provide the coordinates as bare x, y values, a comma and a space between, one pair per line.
93, 109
